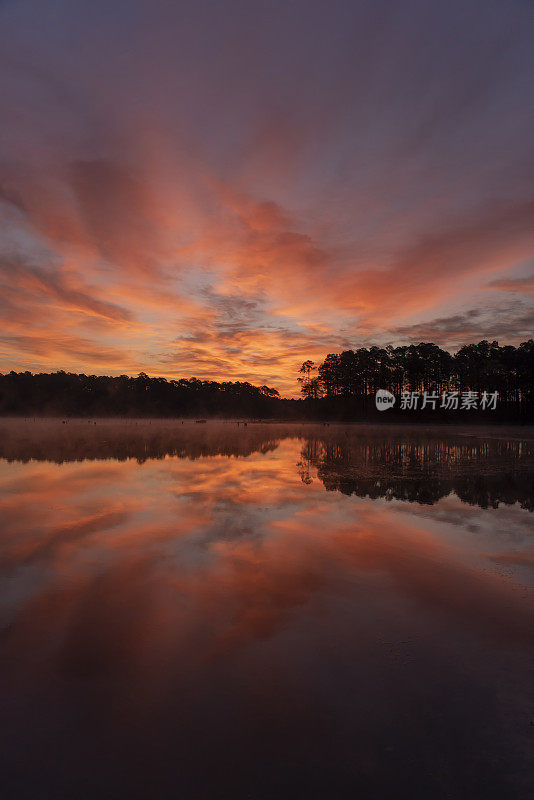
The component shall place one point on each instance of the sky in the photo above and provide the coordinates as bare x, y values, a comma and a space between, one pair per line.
226, 189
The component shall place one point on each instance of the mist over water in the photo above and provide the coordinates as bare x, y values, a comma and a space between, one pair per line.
270, 610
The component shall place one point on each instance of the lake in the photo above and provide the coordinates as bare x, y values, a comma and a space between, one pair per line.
265, 611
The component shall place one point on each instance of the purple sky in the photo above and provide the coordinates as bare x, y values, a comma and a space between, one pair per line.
225, 189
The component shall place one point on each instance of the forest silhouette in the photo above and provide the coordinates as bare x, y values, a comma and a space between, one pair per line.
485, 366
342, 387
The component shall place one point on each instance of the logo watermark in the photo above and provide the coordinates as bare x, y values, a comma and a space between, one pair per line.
450, 401
384, 399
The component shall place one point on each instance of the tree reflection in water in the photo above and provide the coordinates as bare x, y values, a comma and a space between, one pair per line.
182, 616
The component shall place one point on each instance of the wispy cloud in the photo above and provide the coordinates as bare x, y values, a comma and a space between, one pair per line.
519, 285
229, 199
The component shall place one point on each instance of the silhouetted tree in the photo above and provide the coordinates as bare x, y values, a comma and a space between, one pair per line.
310, 385
91, 395
425, 367
341, 387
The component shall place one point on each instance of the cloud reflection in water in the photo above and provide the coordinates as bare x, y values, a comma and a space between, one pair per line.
196, 618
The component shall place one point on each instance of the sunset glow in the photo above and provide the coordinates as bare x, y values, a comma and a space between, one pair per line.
227, 189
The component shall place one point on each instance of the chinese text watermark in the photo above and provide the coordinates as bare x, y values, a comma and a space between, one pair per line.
449, 401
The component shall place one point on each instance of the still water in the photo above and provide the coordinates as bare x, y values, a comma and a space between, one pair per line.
272, 611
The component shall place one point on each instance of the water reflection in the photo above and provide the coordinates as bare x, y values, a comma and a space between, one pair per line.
482, 468
423, 470
196, 621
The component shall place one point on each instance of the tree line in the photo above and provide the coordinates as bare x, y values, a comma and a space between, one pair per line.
342, 387
424, 367
71, 394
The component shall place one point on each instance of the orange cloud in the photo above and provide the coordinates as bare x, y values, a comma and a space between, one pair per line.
151, 258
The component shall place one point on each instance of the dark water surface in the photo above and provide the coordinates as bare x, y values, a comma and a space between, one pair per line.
270, 611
